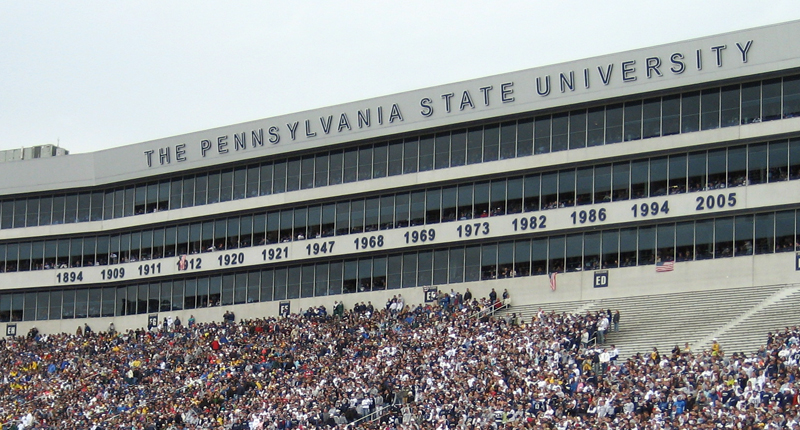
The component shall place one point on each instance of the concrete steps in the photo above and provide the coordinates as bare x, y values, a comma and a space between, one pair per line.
775, 314
739, 317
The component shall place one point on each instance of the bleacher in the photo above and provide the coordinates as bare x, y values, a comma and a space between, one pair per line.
739, 317
776, 313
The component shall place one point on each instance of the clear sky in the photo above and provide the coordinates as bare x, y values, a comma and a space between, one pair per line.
98, 74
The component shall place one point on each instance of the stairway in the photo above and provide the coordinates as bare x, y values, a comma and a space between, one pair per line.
739, 317
750, 332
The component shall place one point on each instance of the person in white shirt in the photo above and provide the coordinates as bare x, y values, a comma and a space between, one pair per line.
602, 328
605, 358
613, 353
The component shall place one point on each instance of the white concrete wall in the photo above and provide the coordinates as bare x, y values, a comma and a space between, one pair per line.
750, 271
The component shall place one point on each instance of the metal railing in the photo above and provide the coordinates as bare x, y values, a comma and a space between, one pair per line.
493, 308
373, 416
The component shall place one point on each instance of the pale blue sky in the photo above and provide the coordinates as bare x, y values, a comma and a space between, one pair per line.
100, 74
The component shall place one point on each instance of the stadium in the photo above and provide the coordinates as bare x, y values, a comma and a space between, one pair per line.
660, 183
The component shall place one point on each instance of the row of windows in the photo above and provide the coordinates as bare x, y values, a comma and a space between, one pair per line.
649, 177
660, 116
723, 237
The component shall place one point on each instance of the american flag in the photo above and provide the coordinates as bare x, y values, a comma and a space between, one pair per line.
665, 266
553, 280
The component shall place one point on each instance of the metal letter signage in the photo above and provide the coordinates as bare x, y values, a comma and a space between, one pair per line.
601, 279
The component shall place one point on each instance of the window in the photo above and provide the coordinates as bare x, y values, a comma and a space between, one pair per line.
613, 123
350, 164
671, 115
658, 176
449, 203
335, 169
380, 160
677, 174
356, 216
560, 132
265, 175
498, 197
465, 201
591, 251
771, 99
704, 239
410, 270
226, 186
549, 190
577, 129
489, 261
321, 170
596, 126
252, 181
690, 112
522, 258
474, 145
665, 242
508, 139
639, 179
633, 120
723, 237
627, 247
710, 110
307, 171
426, 153
491, 143
602, 183
778, 161
717, 169
458, 145
647, 244
684, 241
566, 188
791, 97
765, 233
472, 263
433, 205
442, 151
531, 193
542, 135
751, 103
574, 251
610, 249
410, 155
744, 235
425, 268
757, 164
395, 158
651, 118
556, 254
365, 163
697, 171
621, 181
737, 166
730, 106
279, 176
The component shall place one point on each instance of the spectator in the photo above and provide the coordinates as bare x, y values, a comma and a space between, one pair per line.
602, 328
447, 370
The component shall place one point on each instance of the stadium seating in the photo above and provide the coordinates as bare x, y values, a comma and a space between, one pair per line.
666, 320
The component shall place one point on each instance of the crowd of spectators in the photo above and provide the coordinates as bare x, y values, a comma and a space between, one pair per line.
431, 366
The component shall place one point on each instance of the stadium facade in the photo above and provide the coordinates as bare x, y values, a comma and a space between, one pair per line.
670, 168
